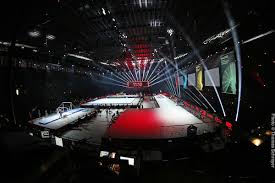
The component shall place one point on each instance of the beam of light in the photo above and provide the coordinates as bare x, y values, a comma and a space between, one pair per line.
168, 74
151, 63
159, 78
192, 98
121, 74
167, 90
198, 98
177, 68
180, 62
168, 70
136, 73
104, 63
143, 73
190, 56
219, 35
238, 56
257, 37
164, 69
153, 70
111, 83
140, 4
180, 56
157, 82
159, 75
131, 79
130, 72
196, 51
17, 45
191, 83
177, 83
169, 87
120, 78
204, 97
123, 79
171, 84
112, 79
79, 56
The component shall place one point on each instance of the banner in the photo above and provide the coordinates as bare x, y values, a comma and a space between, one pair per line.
215, 74
228, 72
199, 77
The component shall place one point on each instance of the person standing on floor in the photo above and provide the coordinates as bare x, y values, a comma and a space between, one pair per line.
60, 113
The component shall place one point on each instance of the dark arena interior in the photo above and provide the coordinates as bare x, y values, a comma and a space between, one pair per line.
137, 91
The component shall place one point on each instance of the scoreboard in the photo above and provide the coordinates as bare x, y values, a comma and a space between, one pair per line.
137, 84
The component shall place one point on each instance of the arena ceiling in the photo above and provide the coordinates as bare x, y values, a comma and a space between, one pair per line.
116, 30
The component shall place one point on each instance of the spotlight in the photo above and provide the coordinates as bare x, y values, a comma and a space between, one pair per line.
170, 31
256, 141
268, 133
103, 11
34, 33
50, 37
17, 91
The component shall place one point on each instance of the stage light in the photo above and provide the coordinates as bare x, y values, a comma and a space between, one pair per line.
256, 141
17, 92
34, 33
155, 23
50, 37
103, 11
170, 31
268, 133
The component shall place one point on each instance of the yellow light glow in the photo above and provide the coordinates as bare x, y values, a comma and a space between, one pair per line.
268, 133
257, 141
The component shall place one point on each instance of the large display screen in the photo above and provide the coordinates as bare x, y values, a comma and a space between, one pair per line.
215, 74
199, 77
137, 84
191, 79
228, 70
